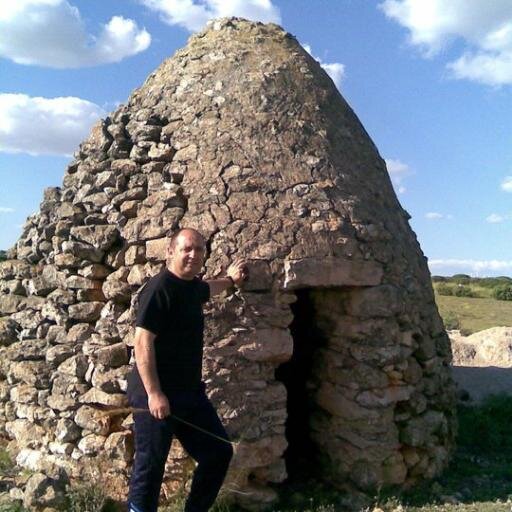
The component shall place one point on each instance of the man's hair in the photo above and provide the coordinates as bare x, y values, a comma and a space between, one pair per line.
175, 235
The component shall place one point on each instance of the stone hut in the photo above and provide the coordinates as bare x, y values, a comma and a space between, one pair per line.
334, 352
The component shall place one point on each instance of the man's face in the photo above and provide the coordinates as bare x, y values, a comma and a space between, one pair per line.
187, 256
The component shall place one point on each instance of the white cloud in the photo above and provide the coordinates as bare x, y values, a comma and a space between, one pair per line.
471, 266
52, 33
398, 171
334, 69
434, 215
506, 184
44, 125
193, 15
484, 28
4, 209
495, 218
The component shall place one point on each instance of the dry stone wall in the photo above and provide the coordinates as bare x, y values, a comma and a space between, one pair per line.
243, 136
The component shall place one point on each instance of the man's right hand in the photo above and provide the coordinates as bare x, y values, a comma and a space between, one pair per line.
158, 405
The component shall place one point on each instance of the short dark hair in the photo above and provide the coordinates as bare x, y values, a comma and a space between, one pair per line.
176, 234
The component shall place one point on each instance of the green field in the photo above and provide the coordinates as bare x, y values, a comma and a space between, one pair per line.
474, 314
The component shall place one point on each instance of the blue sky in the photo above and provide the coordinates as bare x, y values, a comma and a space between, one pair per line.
431, 82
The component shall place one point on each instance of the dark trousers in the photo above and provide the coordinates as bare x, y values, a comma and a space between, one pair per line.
152, 443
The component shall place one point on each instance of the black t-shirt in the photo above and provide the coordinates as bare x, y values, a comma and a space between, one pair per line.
172, 309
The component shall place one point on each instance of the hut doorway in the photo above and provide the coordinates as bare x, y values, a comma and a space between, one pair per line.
298, 376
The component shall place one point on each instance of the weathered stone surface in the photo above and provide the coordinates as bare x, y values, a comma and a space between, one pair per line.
111, 381
331, 272
418, 431
27, 350
156, 249
377, 301
272, 345
26, 433
93, 420
96, 396
91, 444
11, 269
75, 366
24, 394
112, 356
81, 251
10, 303
99, 237
41, 491
86, 312
8, 331
119, 446
35, 373
67, 431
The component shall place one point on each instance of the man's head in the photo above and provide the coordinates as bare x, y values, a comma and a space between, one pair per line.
186, 253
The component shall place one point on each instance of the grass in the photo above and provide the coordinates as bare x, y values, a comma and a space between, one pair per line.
474, 314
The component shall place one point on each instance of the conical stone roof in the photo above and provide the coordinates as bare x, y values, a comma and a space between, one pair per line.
243, 136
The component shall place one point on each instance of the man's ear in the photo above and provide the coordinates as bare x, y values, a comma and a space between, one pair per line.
168, 251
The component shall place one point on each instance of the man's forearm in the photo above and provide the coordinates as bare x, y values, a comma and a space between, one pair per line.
146, 363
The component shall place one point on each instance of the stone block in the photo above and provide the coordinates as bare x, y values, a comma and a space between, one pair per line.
93, 420
330, 272
377, 301
86, 311
112, 356
156, 249
270, 345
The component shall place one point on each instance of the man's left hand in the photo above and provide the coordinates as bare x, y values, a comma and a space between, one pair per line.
238, 272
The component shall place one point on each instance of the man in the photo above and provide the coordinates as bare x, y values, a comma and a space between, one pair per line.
167, 383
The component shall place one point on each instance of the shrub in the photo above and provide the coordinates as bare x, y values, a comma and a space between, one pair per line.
503, 292
88, 498
463, 291
451, 321
487, 428
444, 289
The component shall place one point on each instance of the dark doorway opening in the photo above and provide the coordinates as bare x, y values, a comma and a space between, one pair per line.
297, 375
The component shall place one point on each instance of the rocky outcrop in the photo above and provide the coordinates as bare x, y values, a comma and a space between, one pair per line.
482, 363
243, 136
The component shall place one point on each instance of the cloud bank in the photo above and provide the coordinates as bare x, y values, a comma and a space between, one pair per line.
45, 125
484, 28
474, 267
52, 33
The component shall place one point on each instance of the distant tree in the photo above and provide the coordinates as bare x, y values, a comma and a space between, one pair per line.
503, 292
3, 255
463, 291
444, 289
461, 279
439, 279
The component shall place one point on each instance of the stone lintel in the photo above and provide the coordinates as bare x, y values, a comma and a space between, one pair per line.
330, 272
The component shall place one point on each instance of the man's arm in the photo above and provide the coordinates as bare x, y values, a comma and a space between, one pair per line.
236, 275
146, 365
